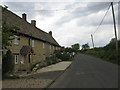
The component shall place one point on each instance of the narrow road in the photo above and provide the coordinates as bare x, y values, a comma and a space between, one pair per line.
88, 72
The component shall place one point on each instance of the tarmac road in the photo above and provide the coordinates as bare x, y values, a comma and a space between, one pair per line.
88, 72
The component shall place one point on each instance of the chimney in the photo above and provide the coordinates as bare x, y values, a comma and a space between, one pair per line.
50, 32
33, 22
24, 16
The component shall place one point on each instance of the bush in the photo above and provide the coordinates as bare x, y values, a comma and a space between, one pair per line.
7, 63
107, 52
52, 60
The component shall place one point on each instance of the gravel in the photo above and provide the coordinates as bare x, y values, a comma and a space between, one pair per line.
26, 83
35, 82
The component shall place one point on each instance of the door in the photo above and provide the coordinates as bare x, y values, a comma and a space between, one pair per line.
22, 59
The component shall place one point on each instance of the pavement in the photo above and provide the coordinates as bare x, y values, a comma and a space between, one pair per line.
52, 71
61, 66
88, 72
40, 79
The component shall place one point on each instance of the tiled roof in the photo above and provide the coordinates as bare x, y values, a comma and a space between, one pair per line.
26, 49
12, 19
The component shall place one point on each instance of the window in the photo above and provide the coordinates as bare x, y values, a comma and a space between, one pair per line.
29, 58
33, 43
43, 45
16, 59
56, 48
53, 47
15, 39
50, 48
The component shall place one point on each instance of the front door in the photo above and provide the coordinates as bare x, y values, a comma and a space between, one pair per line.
22, 59
22, 63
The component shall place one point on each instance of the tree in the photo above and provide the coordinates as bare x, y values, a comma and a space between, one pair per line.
70, 50
85, 46
112, 40
7, 35
75, 46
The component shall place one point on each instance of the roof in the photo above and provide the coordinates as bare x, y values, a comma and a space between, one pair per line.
25, 27
26, 50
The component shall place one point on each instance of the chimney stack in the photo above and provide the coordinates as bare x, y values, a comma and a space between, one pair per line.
50, 32
24, 16
33, 22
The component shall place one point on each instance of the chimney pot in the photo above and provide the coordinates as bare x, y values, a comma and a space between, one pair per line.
50, 32
33, 22
24, 16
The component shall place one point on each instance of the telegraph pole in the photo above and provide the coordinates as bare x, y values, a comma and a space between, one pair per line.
115, 30
92, 40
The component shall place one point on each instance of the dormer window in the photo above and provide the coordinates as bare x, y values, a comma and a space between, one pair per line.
16, 40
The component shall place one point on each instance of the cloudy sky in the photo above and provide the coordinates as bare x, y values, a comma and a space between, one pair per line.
71, 22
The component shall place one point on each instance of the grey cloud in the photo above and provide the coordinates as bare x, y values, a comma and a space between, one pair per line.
20, 6
92, 7
29, 8
95, 20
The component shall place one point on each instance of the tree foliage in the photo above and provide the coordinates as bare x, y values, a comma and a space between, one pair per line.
7, 35
85, 46
76, 46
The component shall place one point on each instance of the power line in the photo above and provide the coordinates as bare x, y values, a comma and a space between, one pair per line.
102, 19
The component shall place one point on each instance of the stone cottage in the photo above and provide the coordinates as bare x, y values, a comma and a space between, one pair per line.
31, 44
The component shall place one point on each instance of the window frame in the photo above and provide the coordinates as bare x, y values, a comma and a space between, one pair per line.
16, 41
43, 45
16, 59
33, 43
50, 48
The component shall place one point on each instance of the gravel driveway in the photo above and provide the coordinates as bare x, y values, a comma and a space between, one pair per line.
26, 83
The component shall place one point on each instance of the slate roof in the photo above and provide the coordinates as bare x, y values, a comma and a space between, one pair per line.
26, 49
12, 19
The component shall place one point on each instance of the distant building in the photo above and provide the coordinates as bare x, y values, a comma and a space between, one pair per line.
31, 44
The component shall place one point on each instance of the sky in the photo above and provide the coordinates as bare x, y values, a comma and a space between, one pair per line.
72, 21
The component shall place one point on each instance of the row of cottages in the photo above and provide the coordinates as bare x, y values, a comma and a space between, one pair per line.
30, 44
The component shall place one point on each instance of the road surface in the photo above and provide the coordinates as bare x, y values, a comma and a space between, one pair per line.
88, 72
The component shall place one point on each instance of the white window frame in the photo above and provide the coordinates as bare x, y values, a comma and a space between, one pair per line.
16, 59
43, 45
33, 43
16, 40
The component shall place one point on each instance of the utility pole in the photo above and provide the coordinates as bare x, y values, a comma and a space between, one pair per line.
115, 31
92, 40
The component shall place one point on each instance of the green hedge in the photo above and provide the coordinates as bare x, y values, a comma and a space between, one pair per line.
7, 63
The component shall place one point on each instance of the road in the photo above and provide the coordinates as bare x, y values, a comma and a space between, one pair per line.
88, 72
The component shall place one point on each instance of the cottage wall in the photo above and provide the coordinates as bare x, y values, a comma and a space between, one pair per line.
40, 52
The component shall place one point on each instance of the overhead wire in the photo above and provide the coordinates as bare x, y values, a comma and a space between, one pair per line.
101, 21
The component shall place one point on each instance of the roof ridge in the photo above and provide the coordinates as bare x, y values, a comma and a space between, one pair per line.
27, 21
27, 28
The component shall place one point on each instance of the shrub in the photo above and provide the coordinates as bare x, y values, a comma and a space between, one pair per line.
7, 63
